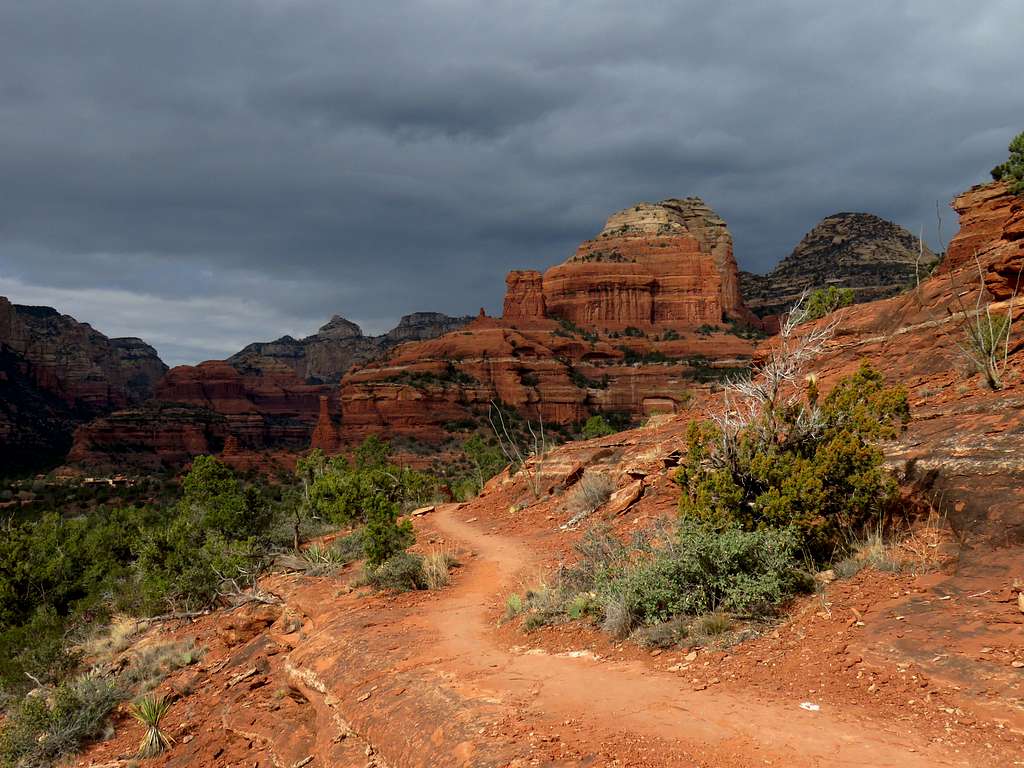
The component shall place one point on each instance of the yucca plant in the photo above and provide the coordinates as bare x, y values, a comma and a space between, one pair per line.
150, 711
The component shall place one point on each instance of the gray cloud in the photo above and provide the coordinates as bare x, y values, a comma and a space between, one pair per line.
249, 167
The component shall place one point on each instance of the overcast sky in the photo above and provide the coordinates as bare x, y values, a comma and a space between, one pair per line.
206, 173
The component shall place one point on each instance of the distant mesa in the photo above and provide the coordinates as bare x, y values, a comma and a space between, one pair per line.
654, 265
325, 356
873, 257
258, 409
635, 319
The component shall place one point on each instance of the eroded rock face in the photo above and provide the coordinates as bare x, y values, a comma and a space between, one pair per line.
324, 357
433, 390
868, 254
325, 435
56, 373
991, 231
655, 265
207, 408
630, 325
524, 295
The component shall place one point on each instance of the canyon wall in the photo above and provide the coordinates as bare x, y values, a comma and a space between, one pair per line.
56, 373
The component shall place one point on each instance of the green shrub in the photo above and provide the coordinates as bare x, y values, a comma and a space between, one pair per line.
42, 733
339, 492
815, 467
485, 459
1012, 171
824, 301
513, 605
597, 426
402, 572
383, 536
667, 575
699, 569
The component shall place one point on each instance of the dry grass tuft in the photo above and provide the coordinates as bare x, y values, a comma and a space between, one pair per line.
436, 567
112, 640
593, 490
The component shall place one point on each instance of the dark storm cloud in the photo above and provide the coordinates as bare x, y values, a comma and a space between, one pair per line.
207, 173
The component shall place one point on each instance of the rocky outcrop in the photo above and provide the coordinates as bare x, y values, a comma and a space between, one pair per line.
630, 325
991, 231
435, 390
872, 256
208, 408
655, 265
56, 373
325, 436
524, 295
324, 357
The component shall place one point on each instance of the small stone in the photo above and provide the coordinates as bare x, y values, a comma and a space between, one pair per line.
364, 697
1017, 664
691, 656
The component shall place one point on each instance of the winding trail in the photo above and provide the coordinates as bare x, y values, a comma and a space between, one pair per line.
611, 698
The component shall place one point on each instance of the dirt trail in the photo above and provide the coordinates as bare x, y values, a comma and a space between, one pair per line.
614, 697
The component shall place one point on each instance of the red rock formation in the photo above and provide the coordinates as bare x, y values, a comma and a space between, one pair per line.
664, 265
208, 408
991, 230
432, 390
56, 373
524, 296
325, 435
664, 270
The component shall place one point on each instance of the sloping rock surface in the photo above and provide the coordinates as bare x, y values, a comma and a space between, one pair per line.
874, 257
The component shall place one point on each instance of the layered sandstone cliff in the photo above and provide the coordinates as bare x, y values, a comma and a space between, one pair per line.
629, 325
203, 409
258, 408
56, 373
325, 356
655, 265
991, 237
873, 257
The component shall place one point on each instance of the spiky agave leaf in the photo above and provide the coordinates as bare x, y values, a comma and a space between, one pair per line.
150, 711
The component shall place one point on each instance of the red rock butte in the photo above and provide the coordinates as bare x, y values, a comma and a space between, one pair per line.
654, 265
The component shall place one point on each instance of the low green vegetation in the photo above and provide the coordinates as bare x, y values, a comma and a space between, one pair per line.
597, 426
1012, 171
150, 711
825, 301
448, 376
62, 580
813, 465
684, 571
785, 484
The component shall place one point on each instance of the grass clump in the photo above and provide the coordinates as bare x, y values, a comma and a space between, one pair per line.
593, 490
513, 606
436, 567
44, 730
150, 711
152, 663
402, 572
